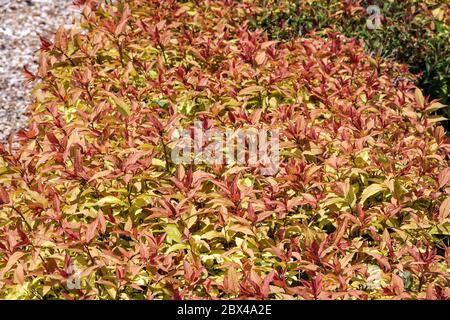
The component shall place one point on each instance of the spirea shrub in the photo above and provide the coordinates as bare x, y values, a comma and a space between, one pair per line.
94, 207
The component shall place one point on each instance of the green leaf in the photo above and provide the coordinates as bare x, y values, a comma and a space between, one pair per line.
436, 119
247, 182
142, 200
176, 247
109, 200
153, 74
158, 162
72, 47
121, 106
443, 229
173, 233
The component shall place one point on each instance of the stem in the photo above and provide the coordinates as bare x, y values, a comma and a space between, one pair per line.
91, 98
163, 53
69, 58
421, 279
129, 194
119, 47
30, 229
166, 157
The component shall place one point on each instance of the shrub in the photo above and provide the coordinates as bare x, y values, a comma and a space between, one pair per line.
413, 32
358, 209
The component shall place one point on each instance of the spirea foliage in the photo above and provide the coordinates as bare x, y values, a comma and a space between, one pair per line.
413, 32
93, 207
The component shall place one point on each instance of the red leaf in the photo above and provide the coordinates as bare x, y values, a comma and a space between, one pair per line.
265, 285
397, 284
90, 232
4, 196
101, 221
46, 44
28, 74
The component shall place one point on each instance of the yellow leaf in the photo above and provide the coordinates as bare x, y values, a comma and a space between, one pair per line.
434, 106
176, 247
443, 229
241, 228
247, 182
260, 57
100, 174
142, 200
173, 233
128, 224
419, 98
273, 102
211, 235
109, 200
38, 198
436, 119
439, 14
158, 162
121, 106
371, 190
250, 90
332, 201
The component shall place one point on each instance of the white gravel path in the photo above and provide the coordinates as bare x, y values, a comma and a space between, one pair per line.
21, 24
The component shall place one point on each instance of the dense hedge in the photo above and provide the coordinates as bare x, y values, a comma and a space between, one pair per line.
414, 32
359, 208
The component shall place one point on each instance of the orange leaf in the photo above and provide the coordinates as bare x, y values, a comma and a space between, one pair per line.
260, 57
444, 177
90, 232
4, 196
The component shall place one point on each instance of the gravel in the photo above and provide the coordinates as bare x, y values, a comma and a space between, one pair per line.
21, 24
